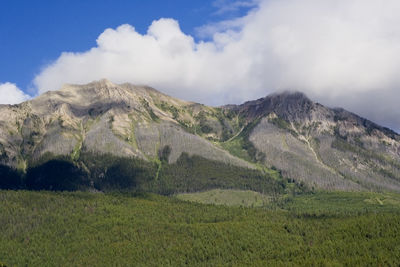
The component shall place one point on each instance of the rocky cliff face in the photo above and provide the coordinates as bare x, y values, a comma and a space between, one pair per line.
322, 147
328, 148
102, 117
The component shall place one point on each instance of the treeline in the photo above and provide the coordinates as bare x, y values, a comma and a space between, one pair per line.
91, 171
106, 172
56, 174
194, 173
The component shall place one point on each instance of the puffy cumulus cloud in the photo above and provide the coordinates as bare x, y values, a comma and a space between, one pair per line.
11, 94
339, 52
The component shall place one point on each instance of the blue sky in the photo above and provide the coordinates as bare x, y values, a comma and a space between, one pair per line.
341, 53
34, 33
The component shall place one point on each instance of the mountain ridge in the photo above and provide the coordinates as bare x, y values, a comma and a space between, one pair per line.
305, 141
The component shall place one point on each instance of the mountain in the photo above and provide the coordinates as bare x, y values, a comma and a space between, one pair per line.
121, 135
123, 120
326, 148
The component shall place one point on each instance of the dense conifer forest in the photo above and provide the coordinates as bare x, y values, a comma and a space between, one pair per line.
107, 172
122, 229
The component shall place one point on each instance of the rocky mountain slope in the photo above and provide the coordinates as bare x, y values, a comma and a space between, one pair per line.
326, 148
124, 120
282, 133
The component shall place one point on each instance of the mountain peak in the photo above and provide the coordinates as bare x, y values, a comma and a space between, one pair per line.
103, 91
288, 94
103, 83
287, 104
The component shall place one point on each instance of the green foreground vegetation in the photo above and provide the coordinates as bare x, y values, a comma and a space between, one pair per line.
228, 197
95, 229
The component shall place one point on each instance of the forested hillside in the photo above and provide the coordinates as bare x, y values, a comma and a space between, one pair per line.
80, 228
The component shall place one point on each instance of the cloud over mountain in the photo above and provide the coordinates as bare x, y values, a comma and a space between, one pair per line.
340, 52
11, 94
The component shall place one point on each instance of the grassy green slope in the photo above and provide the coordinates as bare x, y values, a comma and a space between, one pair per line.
83, 229
245, 198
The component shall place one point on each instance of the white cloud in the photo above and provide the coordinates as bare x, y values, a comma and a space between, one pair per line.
11, 94
340, 52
